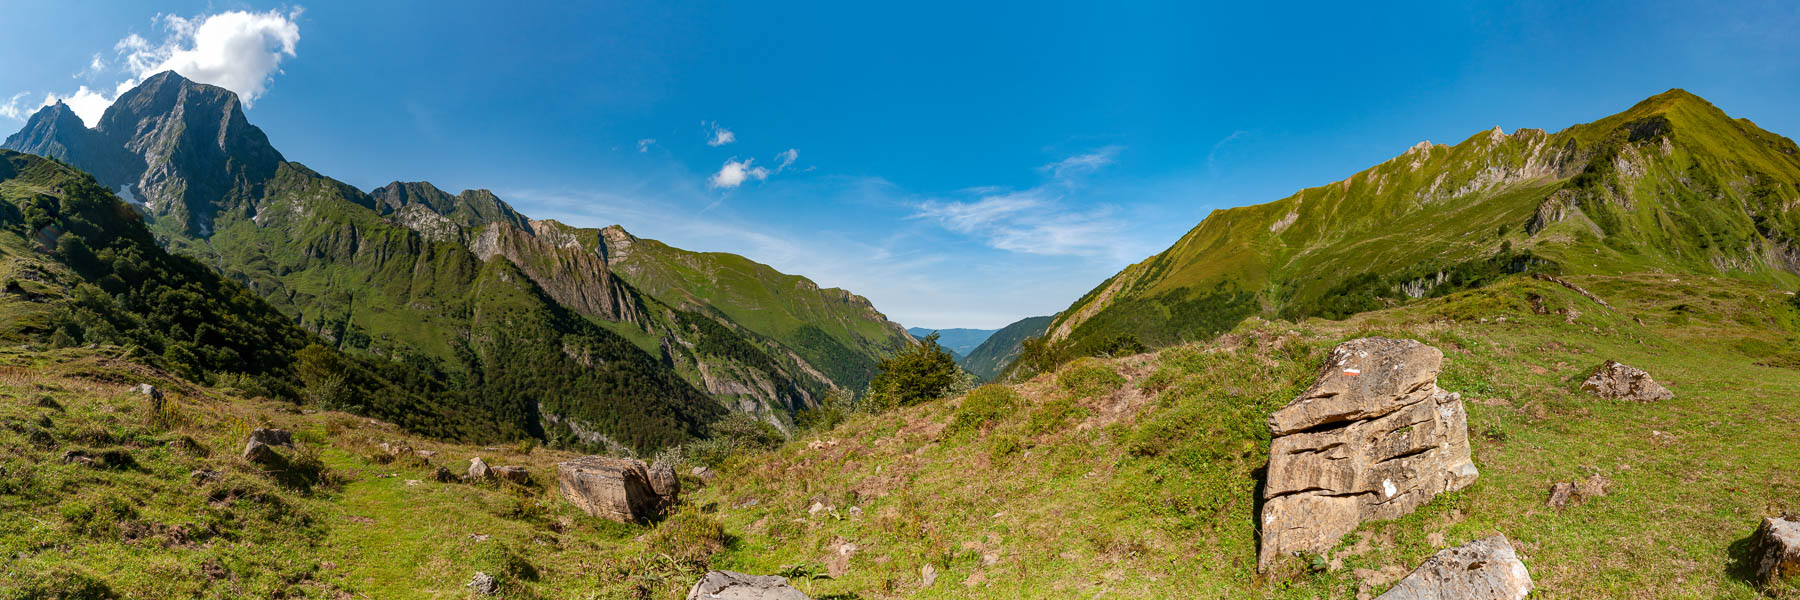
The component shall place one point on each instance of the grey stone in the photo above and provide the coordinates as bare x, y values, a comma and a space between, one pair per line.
1616, 380
478, 469
731, 585
1485, 569
483, 584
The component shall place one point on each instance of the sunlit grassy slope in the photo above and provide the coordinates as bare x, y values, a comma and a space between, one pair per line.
1673, 184
1130, 477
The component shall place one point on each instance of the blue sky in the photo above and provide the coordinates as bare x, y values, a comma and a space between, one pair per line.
962, 166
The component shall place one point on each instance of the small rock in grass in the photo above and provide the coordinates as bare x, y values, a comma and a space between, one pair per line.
731, 585
260, 453
478, 469
1616, 380
928, 575
511, 474
444, 475
483, 584
204, 476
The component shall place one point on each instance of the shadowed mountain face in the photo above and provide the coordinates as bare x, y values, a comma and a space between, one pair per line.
1673, 185
998, 350
184, 149
567, 333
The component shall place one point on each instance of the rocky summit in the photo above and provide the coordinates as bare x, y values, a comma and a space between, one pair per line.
1373, 438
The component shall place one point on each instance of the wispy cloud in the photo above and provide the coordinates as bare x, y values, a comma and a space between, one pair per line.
14, 107
736, 172
716, 135
645, 144
1212, 156
236, 50
1067, 169
1038, 220
786, 159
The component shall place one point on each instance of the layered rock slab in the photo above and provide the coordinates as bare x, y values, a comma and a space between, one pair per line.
1373, 438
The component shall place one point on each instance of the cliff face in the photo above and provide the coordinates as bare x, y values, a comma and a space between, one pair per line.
576, 277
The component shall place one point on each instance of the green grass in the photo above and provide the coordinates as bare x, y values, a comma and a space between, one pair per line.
1134, 476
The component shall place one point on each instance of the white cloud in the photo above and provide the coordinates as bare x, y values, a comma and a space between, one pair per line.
735, 173
236, 50
645, 144
95, 67
718, 136
12, 109
785, 159
1035, 220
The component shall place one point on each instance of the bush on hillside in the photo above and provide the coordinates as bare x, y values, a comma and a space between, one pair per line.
923, 372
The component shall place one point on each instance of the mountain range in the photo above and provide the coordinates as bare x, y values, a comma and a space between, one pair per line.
1672, 185
588, 336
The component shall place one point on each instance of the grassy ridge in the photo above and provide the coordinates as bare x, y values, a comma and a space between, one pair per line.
1673, 184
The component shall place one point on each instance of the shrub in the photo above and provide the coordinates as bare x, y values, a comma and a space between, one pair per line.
1088, 378
923, 372
986, 404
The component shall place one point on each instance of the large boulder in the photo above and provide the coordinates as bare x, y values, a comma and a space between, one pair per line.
1616, 380
478, 469
610, 488
1485, 569
1775, 551
731, 585
1373, 438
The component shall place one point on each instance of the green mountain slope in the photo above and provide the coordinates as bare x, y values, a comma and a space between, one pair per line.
837, 332
1673, 184
408, 274
988, 360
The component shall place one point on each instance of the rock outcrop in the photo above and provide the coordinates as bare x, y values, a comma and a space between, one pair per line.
731, 585
1485, 569
1619, 381
1373, 438
1775, 551
478, 470
611, 488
